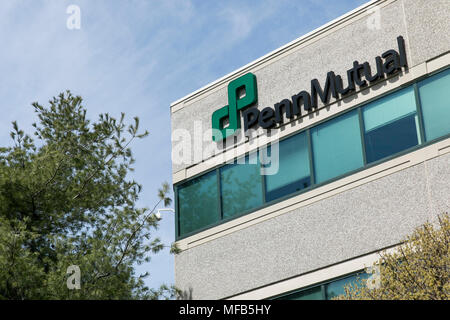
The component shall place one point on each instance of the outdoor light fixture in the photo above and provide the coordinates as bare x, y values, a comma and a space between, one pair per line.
158, 212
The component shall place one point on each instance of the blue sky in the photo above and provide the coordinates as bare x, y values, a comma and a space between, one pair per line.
137, 57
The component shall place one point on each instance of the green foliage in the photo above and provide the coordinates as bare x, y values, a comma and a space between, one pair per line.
66, 199
419, 269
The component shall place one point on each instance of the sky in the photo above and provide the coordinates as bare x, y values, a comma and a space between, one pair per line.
137, 57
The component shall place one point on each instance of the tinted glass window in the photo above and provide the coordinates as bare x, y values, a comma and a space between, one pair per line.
435, 101
198, 203
331, 289
337, 146
391, 125
336, 288
241, 186
314, 293
291, 167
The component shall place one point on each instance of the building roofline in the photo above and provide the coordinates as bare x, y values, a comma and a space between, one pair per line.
307, 37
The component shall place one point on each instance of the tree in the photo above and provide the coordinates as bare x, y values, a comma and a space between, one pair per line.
67, 199
418, 269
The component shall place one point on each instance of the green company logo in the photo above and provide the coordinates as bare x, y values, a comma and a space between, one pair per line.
361, 75
231, 111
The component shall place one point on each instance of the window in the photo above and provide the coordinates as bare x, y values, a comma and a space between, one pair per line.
337, 147
292, 164
314, 293
435, 101
336, 288
241, 186
198, 203
391, 125
327, 290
